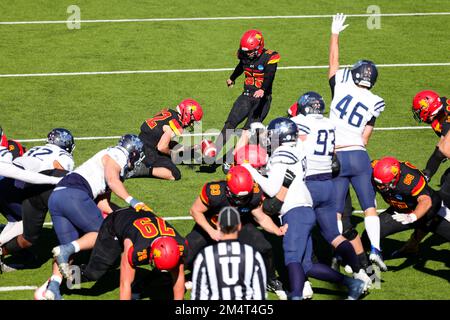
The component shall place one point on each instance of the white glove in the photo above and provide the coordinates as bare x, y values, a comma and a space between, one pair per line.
404, 218
338, 23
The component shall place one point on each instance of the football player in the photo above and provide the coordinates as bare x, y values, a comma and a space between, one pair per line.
137, 238
318, 135
353, 111
259, 66
156, 134
430, 108
16, 148
412, 203
56, 154
240, 192
288, 157
74, 211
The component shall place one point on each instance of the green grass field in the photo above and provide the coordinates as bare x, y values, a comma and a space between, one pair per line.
111, 105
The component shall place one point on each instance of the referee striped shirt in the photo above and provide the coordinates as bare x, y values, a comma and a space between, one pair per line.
229, 270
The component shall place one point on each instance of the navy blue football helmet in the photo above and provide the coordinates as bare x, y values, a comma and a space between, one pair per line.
62, 138
135, 148
310, 103
281, 130
365, 73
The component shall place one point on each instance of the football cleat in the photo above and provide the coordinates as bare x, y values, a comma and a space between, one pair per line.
307, 290
348, 269
226, 167
276, 287
362, 275
62, 255
355, 288
39, 293
375, 257
188, 285
52, 292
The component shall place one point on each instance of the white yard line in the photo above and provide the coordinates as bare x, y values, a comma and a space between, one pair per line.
314, 16
17, 288
206, 134
92, 73
190, 218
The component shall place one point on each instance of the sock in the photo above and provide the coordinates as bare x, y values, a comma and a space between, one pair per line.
372, 224
296, 279
348, 254
362, 257
76, 246
270, 267
340, 226
56, 278
323, 272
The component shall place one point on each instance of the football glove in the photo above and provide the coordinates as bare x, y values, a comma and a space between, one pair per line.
404, 218
338, 23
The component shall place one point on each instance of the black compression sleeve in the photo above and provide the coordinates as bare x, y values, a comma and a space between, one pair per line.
434, 162
332, 82
269, 75
371, 122
237, 71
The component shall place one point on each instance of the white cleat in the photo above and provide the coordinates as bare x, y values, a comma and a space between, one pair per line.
307, 290
348, 269
39, 293
376, 258
362, 275
188, 285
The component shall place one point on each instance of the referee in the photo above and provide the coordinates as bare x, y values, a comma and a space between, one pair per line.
229, 270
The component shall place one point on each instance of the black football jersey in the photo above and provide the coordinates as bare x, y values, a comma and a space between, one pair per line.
152, 129
142, 228
213, 195
411, 185
259, 73
441, 125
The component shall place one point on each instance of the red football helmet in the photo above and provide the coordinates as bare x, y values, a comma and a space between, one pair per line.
3, 139
239, 185
386, 173
293, 110
426, 104
253, 154
190, 111
252, 43
165, 253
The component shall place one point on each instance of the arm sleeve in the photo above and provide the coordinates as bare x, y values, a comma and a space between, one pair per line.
237, 71
269, 75
273, 183
433, 163
371, 122
11, 171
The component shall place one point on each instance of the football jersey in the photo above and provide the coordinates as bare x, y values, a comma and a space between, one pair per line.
41, 158
259, 72
142, 228
5, 155
441, 125
93, 170
319, 144
213, 195
295, 159
152, 129
352, 107
411, 185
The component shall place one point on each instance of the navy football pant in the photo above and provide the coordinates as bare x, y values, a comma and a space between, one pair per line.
355, 169
73, 213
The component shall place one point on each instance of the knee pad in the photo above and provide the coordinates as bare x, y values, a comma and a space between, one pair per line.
272, 206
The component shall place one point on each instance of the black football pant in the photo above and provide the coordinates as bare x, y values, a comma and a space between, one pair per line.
430, 222
198, 239
154, 159
105, 254
245, 106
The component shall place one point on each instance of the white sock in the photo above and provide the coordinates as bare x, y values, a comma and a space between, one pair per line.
56, 278
76, 246
372, 224
11, 230
340, 226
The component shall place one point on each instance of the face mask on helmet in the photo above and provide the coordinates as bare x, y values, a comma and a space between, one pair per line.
426, 105
311, 103
239, 188
365, 73
386, 173
134, 146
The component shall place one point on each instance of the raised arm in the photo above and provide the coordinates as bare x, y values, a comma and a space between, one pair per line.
336, 27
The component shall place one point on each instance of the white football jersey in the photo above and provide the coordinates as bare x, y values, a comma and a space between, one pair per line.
319, 144
352, 107
5, 155
41, 158
94, 171
295, 158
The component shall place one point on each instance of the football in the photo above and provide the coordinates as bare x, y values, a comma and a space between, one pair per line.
208, 148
